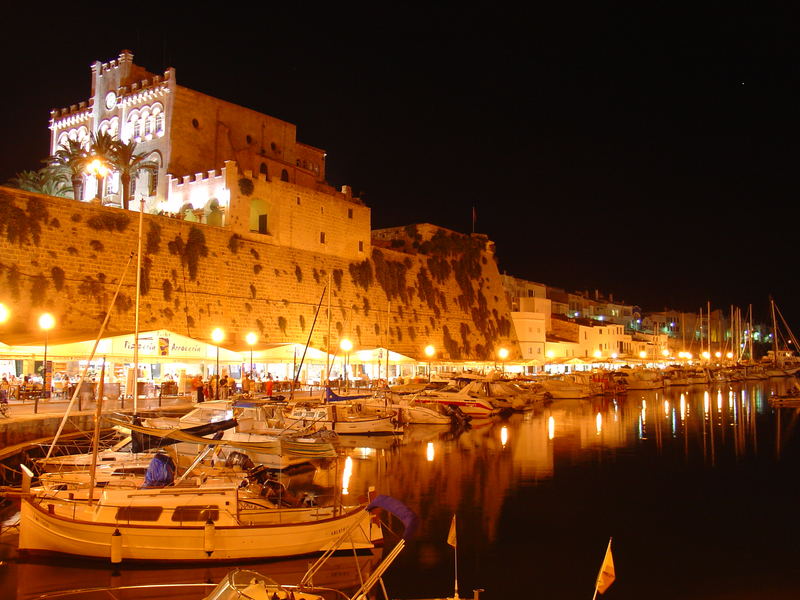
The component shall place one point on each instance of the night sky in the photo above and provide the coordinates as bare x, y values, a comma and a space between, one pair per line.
651, 155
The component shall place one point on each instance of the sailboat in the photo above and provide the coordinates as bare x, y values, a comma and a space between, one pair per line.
781, 365
203, 518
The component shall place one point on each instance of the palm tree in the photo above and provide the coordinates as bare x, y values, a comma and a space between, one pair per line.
44, 181
128, 163
102, 149
70, 160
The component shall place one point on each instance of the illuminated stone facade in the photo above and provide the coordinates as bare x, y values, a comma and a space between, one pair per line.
219, 163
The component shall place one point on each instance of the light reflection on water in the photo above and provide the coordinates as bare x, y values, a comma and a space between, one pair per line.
696, 485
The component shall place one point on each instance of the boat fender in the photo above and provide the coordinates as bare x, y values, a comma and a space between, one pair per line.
208, 537
116, 547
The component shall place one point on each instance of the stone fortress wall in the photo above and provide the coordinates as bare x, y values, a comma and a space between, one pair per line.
429, 286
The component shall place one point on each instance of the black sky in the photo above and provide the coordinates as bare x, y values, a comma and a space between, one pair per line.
643, 151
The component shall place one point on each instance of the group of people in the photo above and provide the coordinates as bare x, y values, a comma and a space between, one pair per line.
11, 382
222, 387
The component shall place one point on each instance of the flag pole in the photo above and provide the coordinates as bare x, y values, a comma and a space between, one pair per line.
455, 555
602, 568
452, 540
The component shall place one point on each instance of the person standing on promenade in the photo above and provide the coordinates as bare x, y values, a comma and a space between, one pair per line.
197, 387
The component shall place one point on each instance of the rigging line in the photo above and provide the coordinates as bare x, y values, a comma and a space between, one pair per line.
308, 341
91, 356
185, 300
788, 329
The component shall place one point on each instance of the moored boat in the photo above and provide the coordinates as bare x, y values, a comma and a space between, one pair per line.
193, 521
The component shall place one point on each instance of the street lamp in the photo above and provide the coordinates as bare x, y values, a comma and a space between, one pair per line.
251, 338
429, 352
46, 323
4, 313
217, 335
346, 346
99, 169
502, 354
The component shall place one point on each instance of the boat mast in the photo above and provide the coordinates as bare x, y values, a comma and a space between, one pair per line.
136, 318
774, 333
96, 436
328, 348
708, 329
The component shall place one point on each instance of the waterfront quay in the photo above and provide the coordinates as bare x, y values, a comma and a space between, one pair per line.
685, 480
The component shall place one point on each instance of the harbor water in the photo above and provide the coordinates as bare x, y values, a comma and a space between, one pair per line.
696, 485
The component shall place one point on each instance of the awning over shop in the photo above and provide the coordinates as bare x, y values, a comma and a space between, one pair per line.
284, 353
375, 355
154, 346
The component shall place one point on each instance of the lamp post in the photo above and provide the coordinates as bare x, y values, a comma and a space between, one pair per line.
251, 338
4, 313
217, 335
502, 354
429, 352
346, 346
46, 323
99, 169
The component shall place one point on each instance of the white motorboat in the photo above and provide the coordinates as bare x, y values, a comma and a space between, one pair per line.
409, 411
560, 388
470, 404
342, 417
643, 379
261, 429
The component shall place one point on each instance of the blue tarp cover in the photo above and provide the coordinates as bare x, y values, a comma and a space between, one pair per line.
400, 510
160, 472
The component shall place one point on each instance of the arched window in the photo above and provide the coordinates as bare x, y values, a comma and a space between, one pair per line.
158, 119
284, 175
147, 125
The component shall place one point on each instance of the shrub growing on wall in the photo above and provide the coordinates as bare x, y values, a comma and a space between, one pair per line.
337, 278
57, 273
153, 244
190, 252
361, 274
246, 186
166, 289
109, 222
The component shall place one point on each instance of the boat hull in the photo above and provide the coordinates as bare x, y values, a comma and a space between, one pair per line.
43, 532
